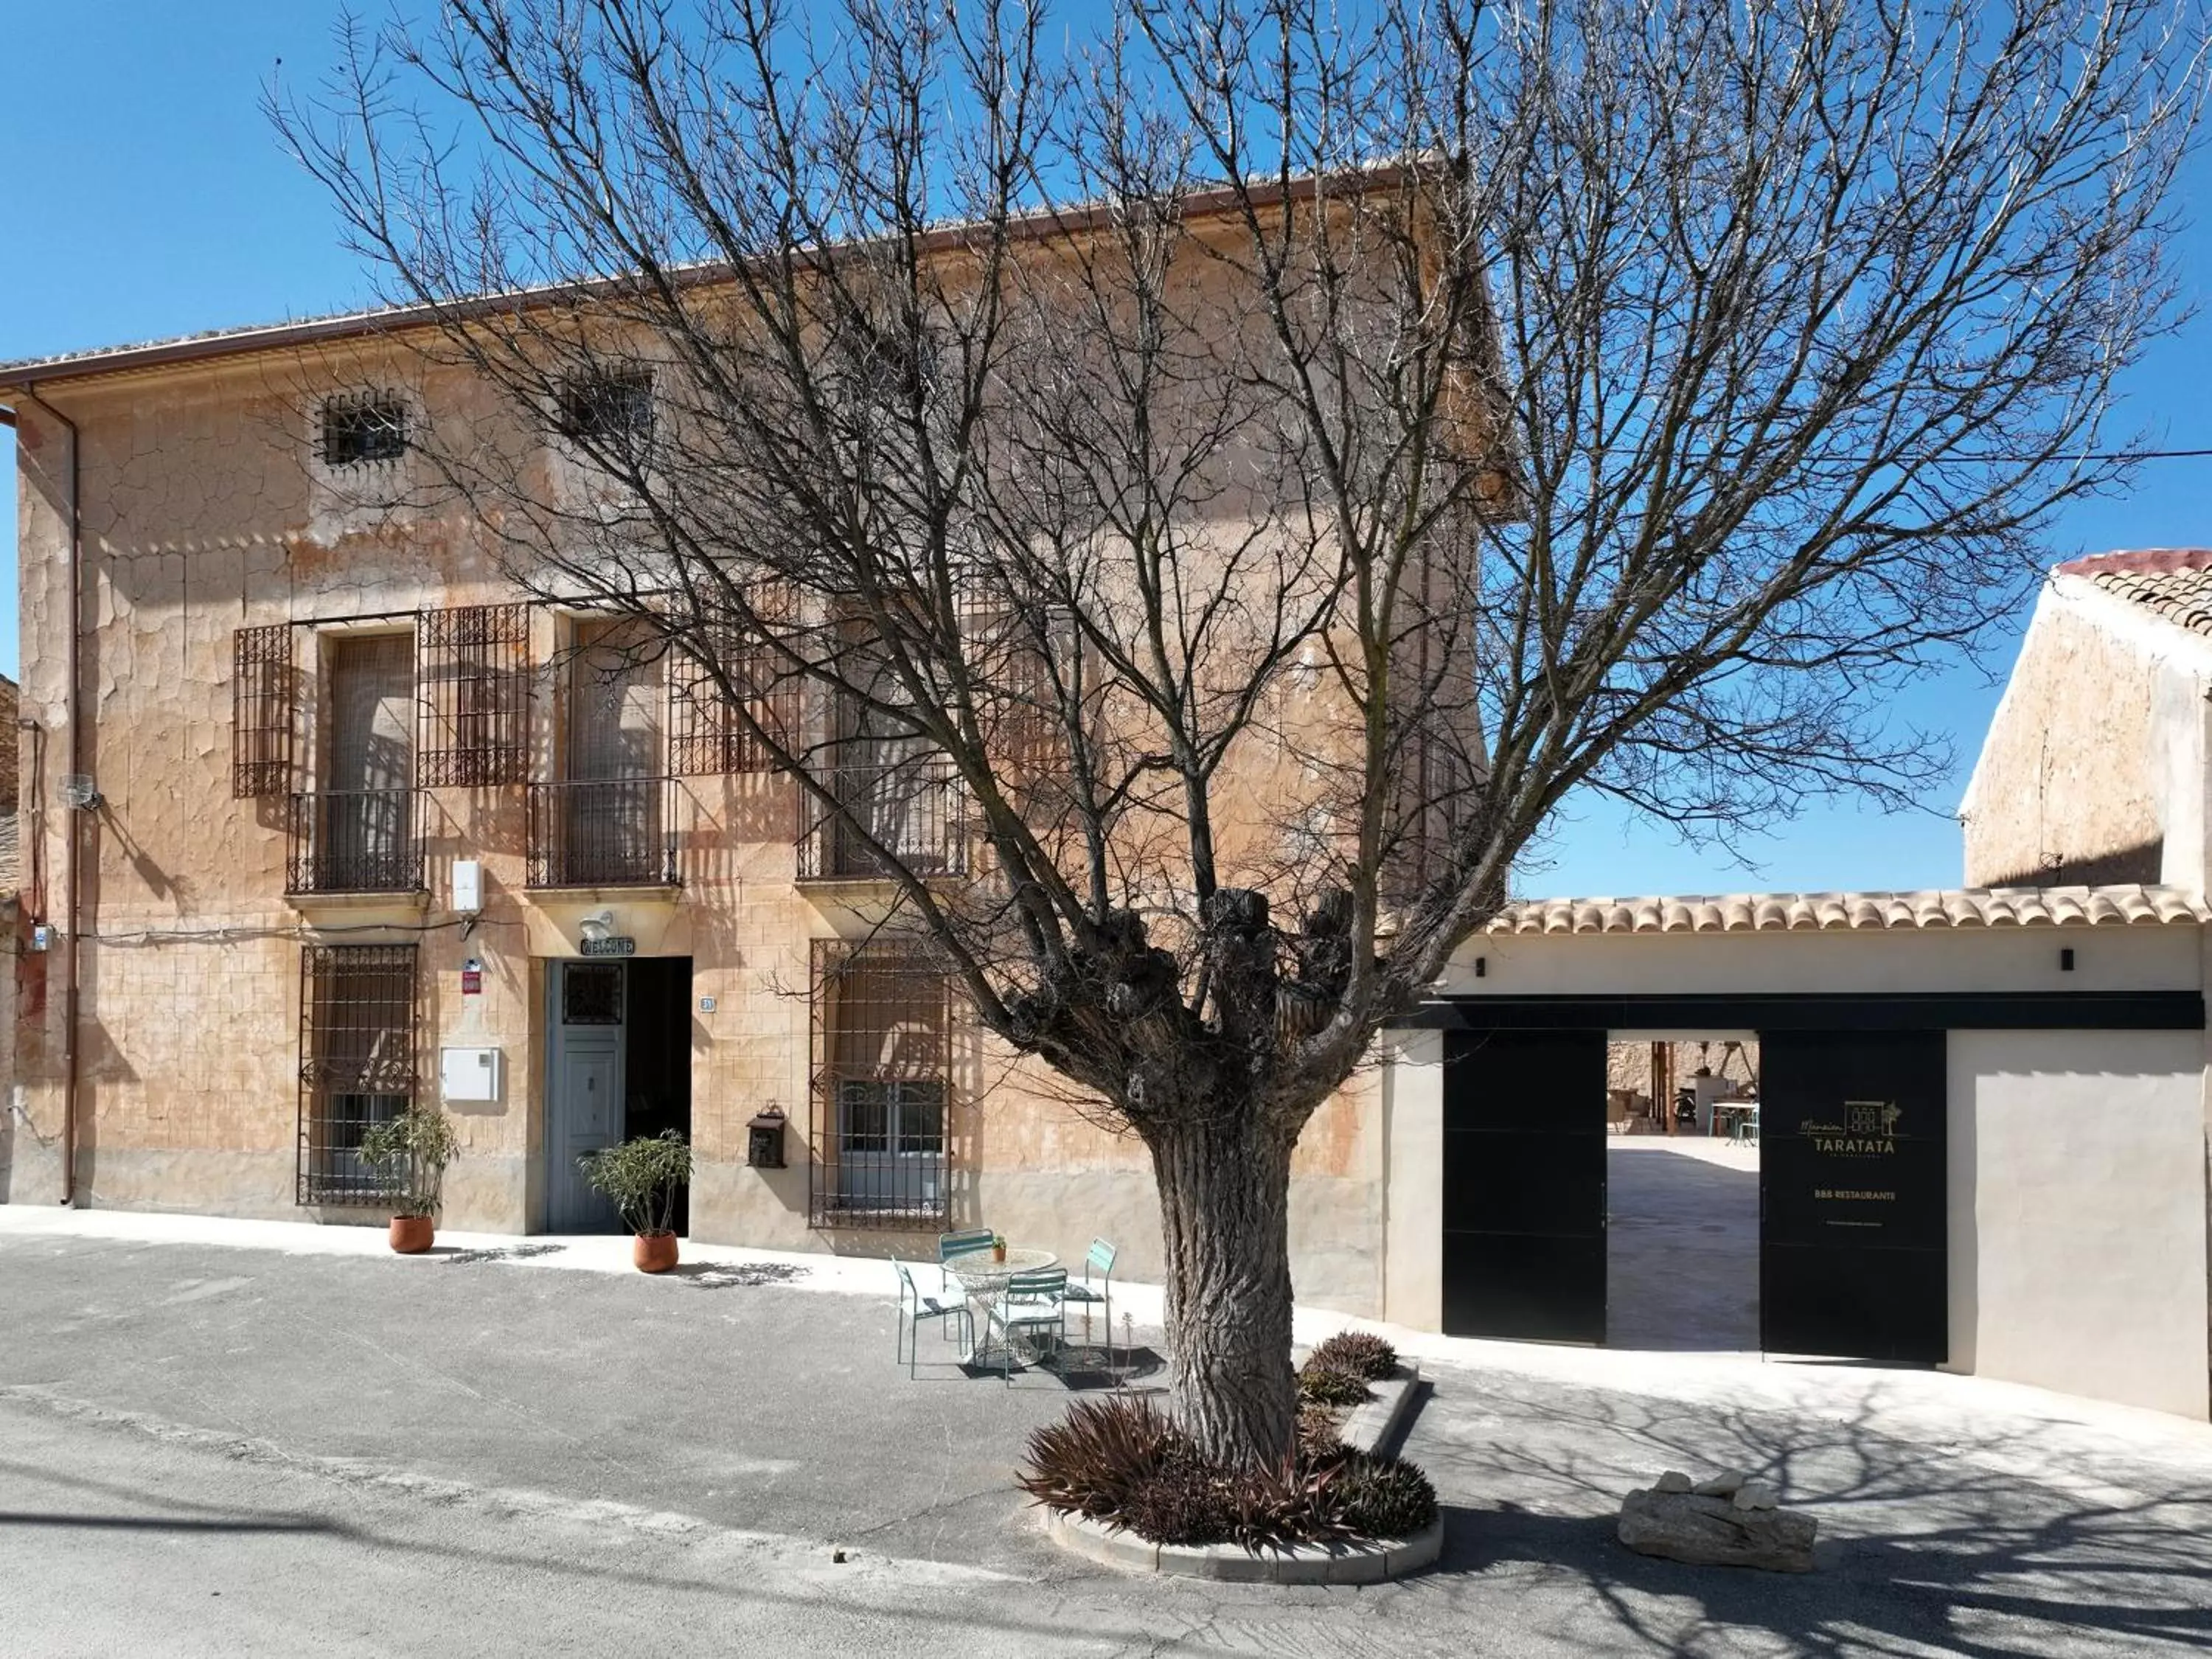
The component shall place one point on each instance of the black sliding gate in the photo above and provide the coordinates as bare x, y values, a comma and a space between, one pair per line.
1853, 1253
1853, 1198
1524, 1185
1852, 1205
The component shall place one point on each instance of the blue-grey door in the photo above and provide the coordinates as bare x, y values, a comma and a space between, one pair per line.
584, 1107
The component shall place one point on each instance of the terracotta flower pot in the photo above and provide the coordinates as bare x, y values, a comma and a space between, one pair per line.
998, 1252
411, 1234
654, 1253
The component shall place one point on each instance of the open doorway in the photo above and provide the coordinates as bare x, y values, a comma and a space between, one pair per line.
1682, 1193
618, 1066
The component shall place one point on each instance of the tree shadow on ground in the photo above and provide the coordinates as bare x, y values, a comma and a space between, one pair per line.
1982, 1542
735, 1275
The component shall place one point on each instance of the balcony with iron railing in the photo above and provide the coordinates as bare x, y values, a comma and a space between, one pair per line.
910, 808
349, 841
603, 832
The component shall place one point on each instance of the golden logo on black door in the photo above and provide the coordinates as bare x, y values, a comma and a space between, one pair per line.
1869, 1126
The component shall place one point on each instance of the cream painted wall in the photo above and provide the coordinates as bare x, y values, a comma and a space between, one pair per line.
1413, 1190
2078, 1212
2150, 957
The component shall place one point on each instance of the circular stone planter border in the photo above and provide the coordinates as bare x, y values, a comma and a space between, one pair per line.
1363, 1563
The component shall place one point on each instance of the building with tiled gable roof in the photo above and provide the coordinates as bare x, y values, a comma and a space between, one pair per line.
2095, 768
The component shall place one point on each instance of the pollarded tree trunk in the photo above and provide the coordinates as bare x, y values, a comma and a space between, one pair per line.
1225, 1210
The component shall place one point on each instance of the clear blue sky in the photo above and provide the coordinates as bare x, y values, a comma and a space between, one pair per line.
144, 195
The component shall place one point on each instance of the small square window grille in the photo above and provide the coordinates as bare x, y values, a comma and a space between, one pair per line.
614, 409
364, 426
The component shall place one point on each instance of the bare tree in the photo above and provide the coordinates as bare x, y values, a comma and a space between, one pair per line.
1236, 475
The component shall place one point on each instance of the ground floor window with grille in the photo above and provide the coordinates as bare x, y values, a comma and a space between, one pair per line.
882, 1063
357, 1062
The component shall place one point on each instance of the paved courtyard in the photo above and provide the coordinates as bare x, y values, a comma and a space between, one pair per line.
1681, 1242
217, 1449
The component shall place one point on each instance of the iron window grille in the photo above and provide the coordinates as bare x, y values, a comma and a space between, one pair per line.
355, 841
264, 686
881, 1150
707, 732
610, 410
1028, 664
362, 426
356, 1063
603, 832
473, 665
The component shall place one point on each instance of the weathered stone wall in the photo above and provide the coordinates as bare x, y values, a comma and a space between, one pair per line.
2093, 770
205, 512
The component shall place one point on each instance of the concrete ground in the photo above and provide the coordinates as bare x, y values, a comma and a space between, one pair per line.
1681, 1243
217, 1440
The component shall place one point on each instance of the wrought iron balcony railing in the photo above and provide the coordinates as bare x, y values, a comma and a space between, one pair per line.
909, 807
355, 841
603, 832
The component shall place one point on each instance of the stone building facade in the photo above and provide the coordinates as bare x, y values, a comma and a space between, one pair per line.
335, 821
2097, 762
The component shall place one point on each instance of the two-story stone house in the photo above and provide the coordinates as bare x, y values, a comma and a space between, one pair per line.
327, 817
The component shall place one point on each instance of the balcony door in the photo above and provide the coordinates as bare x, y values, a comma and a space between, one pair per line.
892, 783
612, 811
367, 804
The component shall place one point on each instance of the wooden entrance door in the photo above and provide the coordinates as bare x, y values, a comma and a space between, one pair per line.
584, 1107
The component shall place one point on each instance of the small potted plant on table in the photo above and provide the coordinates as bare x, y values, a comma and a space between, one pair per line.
410, 1152
642, 1176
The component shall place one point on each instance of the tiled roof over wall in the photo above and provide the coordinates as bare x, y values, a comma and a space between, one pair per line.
2173, 582
1759, 912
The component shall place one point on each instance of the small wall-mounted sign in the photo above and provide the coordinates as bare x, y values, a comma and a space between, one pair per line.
707, 1004
472, 978
614, 944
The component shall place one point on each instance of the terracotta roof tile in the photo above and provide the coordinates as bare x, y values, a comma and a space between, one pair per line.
1795, 913
2173, 582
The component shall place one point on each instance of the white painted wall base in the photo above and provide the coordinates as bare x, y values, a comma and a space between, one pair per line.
2077, 1215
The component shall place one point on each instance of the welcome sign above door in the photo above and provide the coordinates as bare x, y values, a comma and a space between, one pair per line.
614, 944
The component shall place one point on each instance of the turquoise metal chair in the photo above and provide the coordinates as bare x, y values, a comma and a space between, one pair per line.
914, 1307
950, 1245
1097, 1259
1035, 1301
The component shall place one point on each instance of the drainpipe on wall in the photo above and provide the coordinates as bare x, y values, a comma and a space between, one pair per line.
70, 885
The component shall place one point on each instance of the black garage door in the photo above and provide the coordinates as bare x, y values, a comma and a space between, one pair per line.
1524, 1185
1852, 1243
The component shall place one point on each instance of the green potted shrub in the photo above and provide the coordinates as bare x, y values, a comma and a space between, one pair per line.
409, 1154
642, 1176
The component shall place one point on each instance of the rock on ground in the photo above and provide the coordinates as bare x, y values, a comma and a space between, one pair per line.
1710, 1531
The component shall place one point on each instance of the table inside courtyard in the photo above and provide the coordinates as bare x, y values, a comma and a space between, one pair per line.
983, 1277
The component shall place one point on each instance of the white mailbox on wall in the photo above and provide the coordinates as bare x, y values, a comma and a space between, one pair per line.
469, 1073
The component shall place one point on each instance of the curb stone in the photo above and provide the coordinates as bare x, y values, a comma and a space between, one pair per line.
1378, 1421
1365, 1562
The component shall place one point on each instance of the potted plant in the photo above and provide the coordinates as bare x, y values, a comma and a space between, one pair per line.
997, 1247
643, 1177
409, 1153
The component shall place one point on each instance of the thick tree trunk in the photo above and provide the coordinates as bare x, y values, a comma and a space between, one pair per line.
1224, 1207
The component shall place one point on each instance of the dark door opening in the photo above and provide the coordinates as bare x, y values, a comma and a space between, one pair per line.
619, 1067
659, 1074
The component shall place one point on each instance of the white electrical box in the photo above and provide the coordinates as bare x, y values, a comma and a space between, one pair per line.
469, 1073
468, 886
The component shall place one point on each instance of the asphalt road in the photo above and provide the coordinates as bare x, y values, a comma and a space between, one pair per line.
210, 1451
